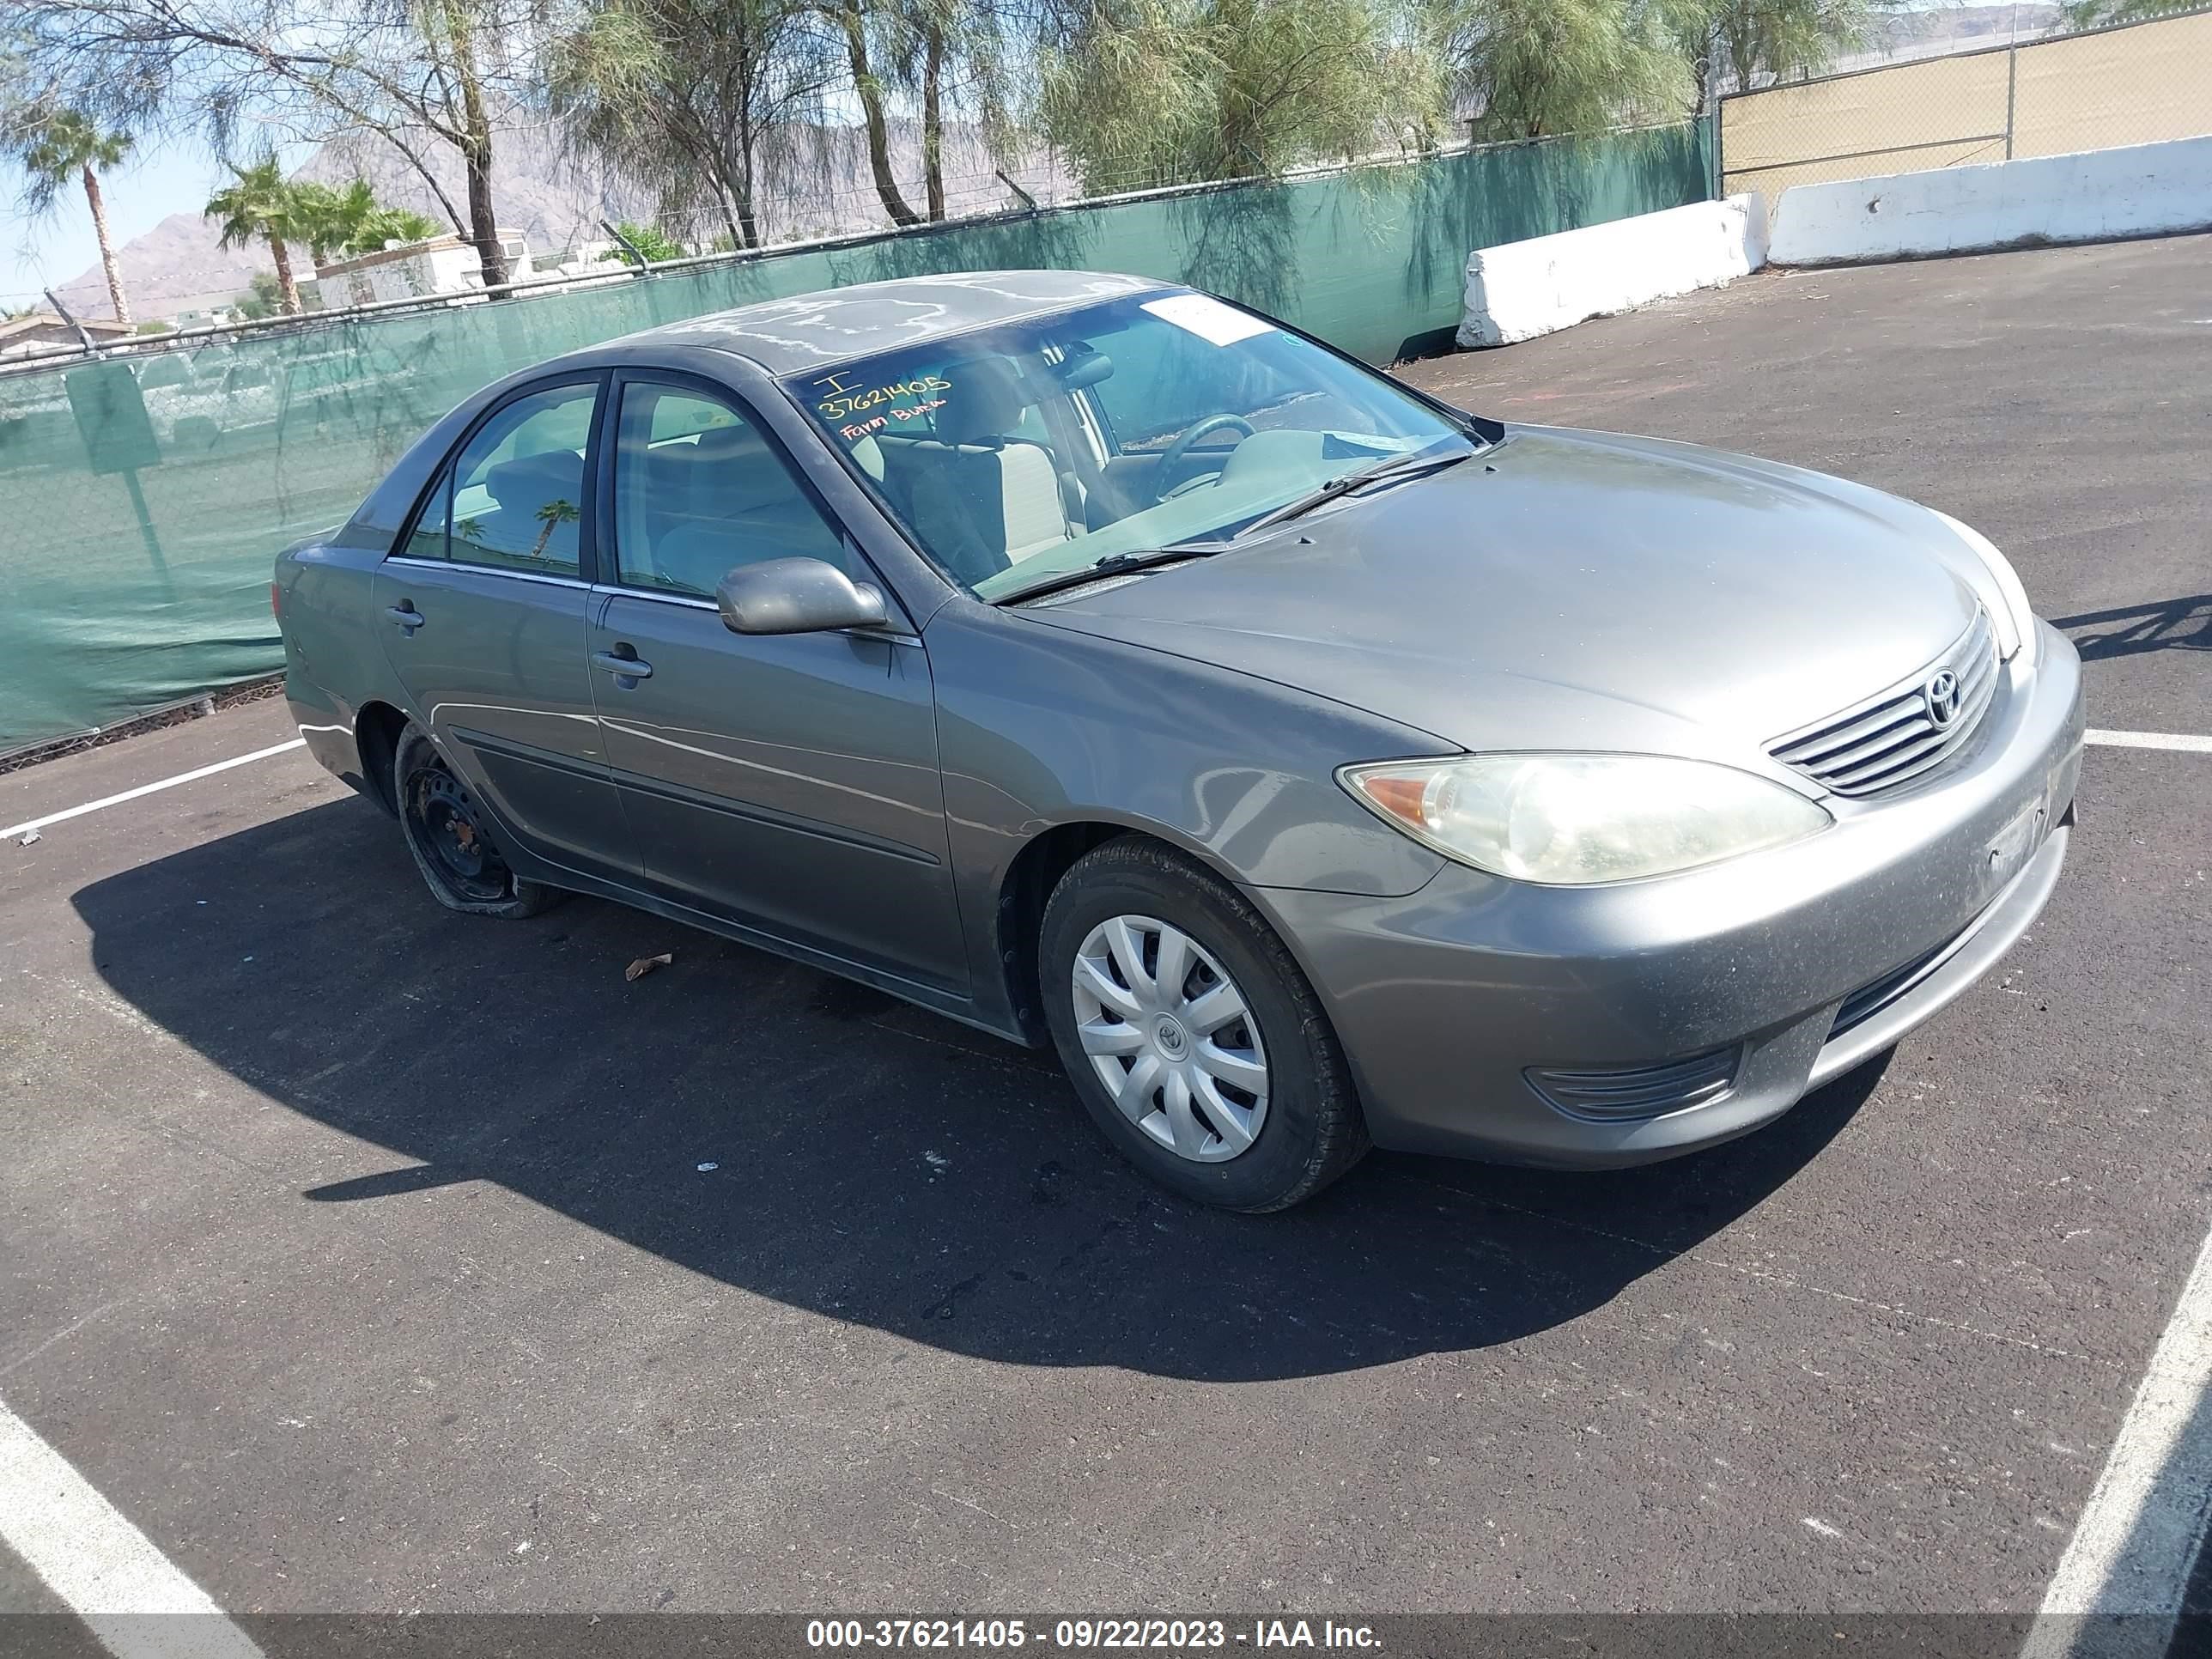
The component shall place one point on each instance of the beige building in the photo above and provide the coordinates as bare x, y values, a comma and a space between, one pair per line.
443, 264
42, 331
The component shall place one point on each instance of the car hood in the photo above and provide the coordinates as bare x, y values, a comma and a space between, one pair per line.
1575, 590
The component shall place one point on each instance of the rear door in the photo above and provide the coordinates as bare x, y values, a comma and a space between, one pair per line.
787, 782
484, 610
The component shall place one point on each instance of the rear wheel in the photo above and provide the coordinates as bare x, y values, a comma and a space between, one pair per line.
452, 841
1190, 1033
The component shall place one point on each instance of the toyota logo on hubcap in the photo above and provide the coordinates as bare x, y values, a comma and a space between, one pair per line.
1943, 695
1168, 1034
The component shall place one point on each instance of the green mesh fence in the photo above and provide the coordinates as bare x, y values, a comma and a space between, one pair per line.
143, 499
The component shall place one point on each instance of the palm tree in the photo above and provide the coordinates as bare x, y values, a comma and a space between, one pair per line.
391, 224
68, 146
326, 218
553, 513
340, 222
261, 204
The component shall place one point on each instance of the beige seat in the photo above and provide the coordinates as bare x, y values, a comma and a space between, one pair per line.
982, 498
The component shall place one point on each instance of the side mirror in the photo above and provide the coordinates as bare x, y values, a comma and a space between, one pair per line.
796, 595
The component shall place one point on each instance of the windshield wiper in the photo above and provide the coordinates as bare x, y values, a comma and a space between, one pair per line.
1398, 466
1114, 564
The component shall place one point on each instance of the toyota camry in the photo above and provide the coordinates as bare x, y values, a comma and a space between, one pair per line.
1311, 764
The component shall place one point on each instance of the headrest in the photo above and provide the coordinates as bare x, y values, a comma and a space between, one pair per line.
528, 482
732, 468
722, 443
985, 401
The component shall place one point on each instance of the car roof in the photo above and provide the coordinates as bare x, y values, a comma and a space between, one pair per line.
812, 330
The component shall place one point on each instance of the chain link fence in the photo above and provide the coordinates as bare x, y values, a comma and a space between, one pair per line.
2136, 83
143, 496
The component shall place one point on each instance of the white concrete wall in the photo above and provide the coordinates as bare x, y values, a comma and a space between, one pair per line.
2140, 190
1520, 289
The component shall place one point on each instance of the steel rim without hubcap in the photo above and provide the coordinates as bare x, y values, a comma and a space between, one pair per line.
446, 825
1169, 1035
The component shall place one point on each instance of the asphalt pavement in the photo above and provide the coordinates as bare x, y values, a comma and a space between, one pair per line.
370, 1258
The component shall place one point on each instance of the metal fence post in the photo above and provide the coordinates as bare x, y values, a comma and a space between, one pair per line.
1710, 86
2012, 91
62, 311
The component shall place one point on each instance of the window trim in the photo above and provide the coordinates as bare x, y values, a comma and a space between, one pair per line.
415, 562
606, 436
442, 479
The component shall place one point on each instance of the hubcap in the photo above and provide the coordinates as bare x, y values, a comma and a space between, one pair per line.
1169, 1035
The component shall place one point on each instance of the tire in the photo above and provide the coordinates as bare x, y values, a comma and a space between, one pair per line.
453, 846
1246, 1148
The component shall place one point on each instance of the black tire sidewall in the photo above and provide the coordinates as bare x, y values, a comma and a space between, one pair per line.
1302, 1144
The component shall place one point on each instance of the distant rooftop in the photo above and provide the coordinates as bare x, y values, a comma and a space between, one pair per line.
40, 328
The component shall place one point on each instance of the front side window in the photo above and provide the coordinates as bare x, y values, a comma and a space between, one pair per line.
700, 489
1016, 454
513, 497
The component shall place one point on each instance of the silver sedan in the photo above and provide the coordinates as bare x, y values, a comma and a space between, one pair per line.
1313, 764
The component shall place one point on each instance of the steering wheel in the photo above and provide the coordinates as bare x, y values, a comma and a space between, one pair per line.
1171, 458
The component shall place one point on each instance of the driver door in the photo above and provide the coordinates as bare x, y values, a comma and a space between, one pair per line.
786, 783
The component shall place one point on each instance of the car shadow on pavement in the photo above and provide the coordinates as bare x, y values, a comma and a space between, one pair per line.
2162, 625
807, 1139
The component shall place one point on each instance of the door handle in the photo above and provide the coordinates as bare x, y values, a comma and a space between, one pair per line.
406, 616
621, 667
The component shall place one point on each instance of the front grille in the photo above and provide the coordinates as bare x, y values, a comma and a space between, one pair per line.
1877, 745
1870, 998
1626, 1093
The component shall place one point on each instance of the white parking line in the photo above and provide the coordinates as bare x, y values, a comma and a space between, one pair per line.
130, 1595
2151, 741
2117, 739
30, 824
2135, 1543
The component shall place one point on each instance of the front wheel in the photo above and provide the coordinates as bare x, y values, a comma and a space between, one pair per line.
447, 833
1190, 1033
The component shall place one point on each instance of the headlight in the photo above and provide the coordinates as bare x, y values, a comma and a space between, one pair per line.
2015, 621
1576, 820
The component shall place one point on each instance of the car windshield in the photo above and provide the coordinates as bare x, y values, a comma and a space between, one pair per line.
1017, 454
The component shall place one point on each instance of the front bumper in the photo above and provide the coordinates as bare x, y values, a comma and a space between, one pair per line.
1448, 1000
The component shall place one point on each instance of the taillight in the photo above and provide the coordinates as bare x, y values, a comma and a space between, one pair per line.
276, 602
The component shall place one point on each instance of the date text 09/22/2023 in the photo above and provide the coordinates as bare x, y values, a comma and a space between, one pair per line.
1085, 1634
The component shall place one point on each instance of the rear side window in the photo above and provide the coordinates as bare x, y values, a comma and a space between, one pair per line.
514, 498
700, 489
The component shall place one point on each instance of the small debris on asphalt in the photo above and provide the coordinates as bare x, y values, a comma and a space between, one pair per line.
708, 1169
27, 838
645, 965
937, 1161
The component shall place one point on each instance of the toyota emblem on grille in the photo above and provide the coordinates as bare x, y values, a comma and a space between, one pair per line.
1943, 695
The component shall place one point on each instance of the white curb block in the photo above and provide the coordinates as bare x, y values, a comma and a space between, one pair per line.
1520, 289
2139, 190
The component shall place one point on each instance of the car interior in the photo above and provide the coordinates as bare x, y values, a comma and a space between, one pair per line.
1013, 458
1006, 459
693, 503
